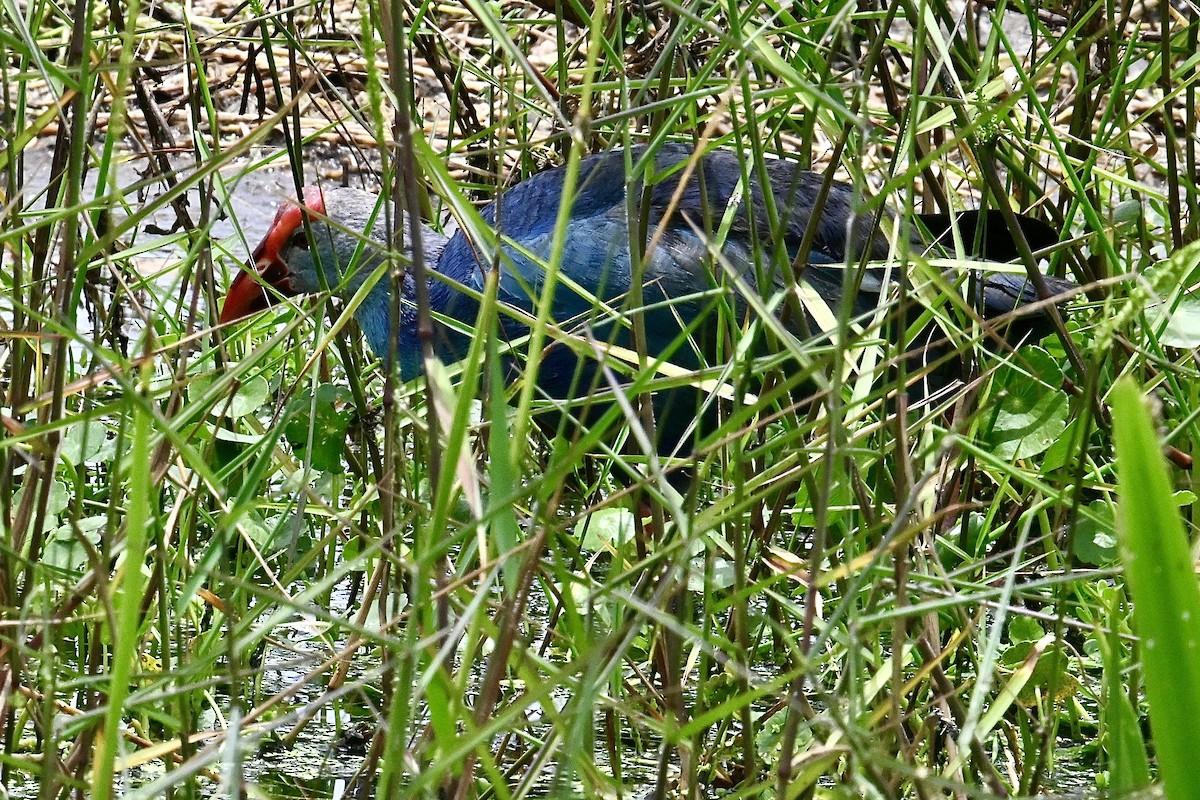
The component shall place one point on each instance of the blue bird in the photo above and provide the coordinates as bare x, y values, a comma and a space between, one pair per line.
712, 244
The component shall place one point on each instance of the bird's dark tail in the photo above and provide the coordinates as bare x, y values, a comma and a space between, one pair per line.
1005, 292
1009, 300
985, 234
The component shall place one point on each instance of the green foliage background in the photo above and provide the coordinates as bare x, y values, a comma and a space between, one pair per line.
215, 540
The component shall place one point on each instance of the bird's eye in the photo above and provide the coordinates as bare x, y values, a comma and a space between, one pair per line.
299, 240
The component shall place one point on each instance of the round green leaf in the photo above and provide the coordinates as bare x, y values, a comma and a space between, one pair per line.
1032, 412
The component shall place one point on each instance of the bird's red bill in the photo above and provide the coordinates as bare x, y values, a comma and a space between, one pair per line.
246, 296
248, 293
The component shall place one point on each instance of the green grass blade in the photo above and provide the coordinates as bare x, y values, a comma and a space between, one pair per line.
1128, 763
1162, 580
127, 598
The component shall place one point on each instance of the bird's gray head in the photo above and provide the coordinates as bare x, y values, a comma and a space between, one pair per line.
341, 246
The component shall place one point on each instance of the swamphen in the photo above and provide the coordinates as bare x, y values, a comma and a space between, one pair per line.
681, 274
